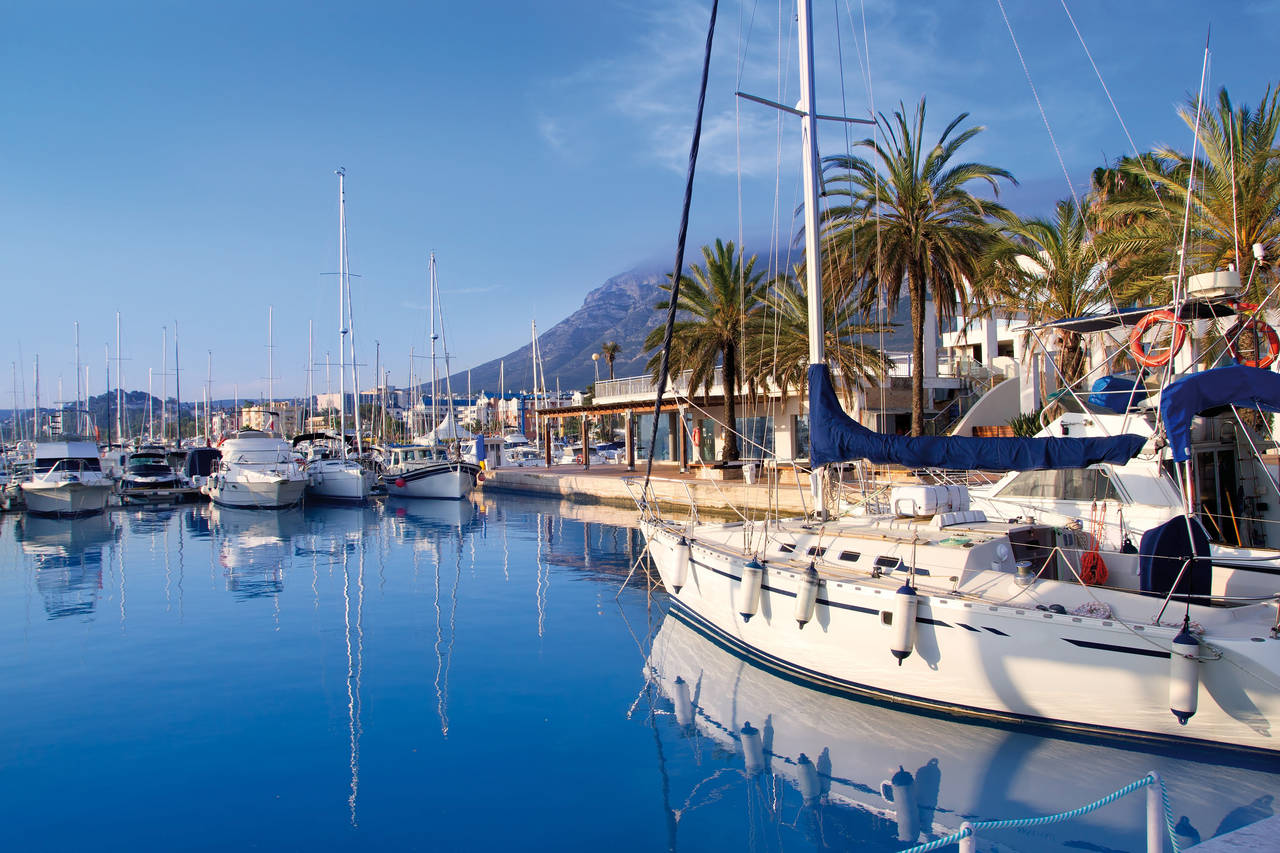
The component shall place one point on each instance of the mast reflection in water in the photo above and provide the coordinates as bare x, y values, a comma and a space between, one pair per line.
470, 676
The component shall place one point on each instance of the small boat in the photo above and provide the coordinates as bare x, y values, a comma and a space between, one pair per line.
332, 475
258, 470
428, 471
148, 478
67, 480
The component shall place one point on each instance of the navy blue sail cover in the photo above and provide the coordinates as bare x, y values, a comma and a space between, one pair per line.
836, 437
1210, 390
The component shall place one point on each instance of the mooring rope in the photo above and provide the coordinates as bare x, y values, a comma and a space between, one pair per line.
971, 828
665, 366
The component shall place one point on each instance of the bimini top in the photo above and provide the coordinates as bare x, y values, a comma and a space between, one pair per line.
836, 437
1211, 390
1125, 318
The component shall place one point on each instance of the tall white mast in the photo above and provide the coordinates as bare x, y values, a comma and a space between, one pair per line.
813, 272
208, 399
120, 418
310, 370
77, 366
533, 356
342, 312
35, 413
271, 372
431, 308
164, 383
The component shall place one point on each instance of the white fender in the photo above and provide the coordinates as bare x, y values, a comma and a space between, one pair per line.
1184, 675
752, 749
748, 592
904, 623
808, 781
903, 785
683, 704
807, 595
682, 556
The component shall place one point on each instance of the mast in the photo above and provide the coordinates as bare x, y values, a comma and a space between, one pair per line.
342, 312
310, 370
17, 420
271, 387
208, 400
120, 418
813, 272
35, 412
164, 384
809, 156
77, 365
431, 308
151, 409
533, 355
106, 352
177, 389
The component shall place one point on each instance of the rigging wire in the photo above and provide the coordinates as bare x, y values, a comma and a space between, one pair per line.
664, 365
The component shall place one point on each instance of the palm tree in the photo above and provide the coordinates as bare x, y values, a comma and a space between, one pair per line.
911, 217
1048, 269
1234, 204
719, 301
610, 350
782, 332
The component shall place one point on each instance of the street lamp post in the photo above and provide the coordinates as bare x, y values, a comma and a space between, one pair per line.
595, 359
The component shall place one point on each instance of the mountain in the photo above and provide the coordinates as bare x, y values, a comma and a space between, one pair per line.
621, 309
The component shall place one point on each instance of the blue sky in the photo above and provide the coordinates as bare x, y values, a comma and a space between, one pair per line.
174, 161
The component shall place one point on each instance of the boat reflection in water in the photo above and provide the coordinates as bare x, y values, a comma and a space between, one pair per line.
67, 554
254, 547
425, 521
879, 778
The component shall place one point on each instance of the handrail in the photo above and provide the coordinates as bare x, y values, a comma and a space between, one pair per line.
966, 836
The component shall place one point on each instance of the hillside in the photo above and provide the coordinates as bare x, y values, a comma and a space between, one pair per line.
622, 309
619, 310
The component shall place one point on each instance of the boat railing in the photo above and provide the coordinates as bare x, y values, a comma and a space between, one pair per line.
1159, 820
649, 504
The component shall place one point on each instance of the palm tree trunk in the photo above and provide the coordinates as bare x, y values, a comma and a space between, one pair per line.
915, 291
1072, 358
731, 452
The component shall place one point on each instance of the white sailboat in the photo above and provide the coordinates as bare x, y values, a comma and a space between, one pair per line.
932, 604
432, 468
335, 475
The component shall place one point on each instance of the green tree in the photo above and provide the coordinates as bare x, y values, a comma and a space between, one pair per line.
1049, 269
909, 215
718, 300
610, 350
1234, 203
781, 335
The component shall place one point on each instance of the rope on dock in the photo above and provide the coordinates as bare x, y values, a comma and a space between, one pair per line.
970, 828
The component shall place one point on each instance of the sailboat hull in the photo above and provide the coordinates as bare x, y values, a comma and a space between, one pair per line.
336, 480
1010, 662
446, 480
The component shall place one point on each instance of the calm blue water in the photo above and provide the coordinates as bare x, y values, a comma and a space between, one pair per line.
437, 676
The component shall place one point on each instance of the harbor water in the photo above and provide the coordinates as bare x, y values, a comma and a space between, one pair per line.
443, 675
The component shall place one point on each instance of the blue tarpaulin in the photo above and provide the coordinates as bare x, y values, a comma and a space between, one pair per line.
1116, 392
1203, 392
836, 437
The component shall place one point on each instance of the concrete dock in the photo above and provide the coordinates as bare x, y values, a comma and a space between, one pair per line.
788, 494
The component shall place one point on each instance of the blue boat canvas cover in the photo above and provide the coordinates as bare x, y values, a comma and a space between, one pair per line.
1210, 390
836, 437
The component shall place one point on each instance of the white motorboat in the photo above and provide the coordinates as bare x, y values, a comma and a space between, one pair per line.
428, 471
258, 470
148, 478
932, 604
66, 480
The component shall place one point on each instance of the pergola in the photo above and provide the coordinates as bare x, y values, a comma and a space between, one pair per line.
670, 406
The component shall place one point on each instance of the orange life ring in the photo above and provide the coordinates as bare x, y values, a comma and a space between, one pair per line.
1093, 569
1156, 357
697, 436
1255, 326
